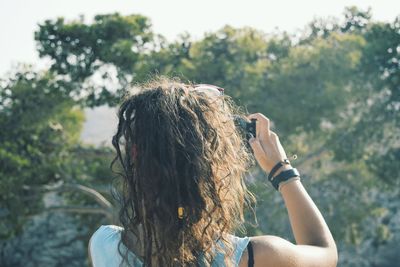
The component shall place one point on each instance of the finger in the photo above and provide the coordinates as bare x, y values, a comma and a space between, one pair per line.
261, 120
273, 135
262, 124
258, 150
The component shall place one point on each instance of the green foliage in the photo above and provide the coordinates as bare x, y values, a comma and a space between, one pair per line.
78, 50
372, 125
307, 80
39, 124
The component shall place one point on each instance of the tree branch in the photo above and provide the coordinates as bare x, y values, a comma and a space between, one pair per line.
79, 209
96, 196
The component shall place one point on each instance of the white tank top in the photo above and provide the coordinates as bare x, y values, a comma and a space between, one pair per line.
103, 246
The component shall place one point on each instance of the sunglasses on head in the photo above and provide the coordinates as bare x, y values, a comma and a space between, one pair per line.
248, 128
209, 89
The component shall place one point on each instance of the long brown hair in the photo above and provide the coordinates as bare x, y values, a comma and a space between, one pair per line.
177, 147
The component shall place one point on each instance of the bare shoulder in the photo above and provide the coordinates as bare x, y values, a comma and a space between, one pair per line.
273, 251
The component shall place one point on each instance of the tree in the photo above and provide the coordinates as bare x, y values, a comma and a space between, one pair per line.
40, 151
41, 123
110, 47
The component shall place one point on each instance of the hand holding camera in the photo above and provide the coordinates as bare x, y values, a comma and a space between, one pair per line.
247, 127
267, 148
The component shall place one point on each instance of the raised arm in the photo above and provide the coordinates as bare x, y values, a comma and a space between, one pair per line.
314, 242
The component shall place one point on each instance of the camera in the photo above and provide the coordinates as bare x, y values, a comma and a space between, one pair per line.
246, 127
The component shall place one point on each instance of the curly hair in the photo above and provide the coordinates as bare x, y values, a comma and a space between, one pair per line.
177, 147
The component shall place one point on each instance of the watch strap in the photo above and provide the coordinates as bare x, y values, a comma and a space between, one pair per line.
276, 168
284, 176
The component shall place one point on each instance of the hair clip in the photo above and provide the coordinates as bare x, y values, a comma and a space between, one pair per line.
181, 212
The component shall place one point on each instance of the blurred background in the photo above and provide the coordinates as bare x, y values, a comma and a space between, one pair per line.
326, 73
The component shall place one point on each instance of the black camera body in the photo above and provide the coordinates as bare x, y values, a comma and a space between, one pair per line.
246, 127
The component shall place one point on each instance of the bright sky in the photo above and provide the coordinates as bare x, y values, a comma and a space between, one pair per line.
19, 18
